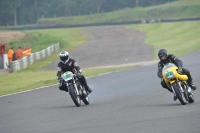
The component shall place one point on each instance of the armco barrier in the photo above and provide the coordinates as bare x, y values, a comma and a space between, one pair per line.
28, 60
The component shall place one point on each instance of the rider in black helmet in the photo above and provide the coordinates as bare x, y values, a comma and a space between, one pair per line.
170, 58
68, 64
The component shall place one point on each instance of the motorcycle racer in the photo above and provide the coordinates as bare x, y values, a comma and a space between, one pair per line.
68, 64
170, 58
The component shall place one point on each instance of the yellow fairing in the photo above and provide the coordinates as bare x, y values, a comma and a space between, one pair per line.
175, 75
181, 77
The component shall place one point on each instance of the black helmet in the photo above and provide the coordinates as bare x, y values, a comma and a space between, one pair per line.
162, 54
64, 57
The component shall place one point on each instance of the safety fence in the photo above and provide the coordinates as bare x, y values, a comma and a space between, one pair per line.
28, 60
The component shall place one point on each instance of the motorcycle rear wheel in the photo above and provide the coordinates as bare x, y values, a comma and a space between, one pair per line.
76, 99
179, 94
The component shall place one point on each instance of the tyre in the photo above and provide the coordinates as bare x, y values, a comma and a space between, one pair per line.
74, 96
179, 94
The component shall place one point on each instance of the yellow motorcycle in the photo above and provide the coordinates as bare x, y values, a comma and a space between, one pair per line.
178, 83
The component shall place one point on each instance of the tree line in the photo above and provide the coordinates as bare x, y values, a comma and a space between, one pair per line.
22, 12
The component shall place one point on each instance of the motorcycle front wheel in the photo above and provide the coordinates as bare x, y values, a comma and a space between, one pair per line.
76, 99
179, 94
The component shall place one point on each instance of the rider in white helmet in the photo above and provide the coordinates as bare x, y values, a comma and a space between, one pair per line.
68, 64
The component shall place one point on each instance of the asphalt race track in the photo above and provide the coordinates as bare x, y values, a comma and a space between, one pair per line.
126, 101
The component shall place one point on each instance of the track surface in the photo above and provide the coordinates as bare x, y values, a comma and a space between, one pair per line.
127, 101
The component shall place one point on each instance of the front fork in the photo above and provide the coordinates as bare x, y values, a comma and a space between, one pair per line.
182, 90
172, 87
75, 86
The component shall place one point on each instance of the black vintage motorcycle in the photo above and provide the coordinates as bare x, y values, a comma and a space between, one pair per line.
178, 83
75, 89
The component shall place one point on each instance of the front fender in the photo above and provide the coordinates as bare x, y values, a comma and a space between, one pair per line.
181, 77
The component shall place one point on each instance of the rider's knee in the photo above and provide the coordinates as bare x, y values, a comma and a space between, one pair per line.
186, 71
63, 87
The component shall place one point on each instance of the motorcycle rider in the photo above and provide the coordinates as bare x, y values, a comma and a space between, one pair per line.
170, 58
68, 64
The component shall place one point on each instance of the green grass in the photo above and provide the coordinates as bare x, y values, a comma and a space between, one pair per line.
37, 41
89, 72
17, 82
171, 10
69, 38
180, 38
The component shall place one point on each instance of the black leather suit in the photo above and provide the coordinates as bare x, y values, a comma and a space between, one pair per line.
74, 68
172, 59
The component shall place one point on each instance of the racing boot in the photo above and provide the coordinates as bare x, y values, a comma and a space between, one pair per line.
62, 86
192, 86
84, 83
190, 83
88, 89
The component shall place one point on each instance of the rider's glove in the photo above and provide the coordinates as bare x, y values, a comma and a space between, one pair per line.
179, 70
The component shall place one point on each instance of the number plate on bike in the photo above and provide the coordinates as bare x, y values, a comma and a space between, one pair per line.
67, 76
169, 74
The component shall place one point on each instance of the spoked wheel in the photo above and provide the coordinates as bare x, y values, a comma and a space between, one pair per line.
75, 97
179, 94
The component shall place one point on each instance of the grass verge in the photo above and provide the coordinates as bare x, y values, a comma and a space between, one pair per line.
179, 38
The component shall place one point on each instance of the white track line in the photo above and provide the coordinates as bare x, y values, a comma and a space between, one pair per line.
27, 90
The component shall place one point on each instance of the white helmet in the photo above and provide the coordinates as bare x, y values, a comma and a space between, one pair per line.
64, 57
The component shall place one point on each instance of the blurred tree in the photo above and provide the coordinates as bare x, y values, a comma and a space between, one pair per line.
10, 7
14, 12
